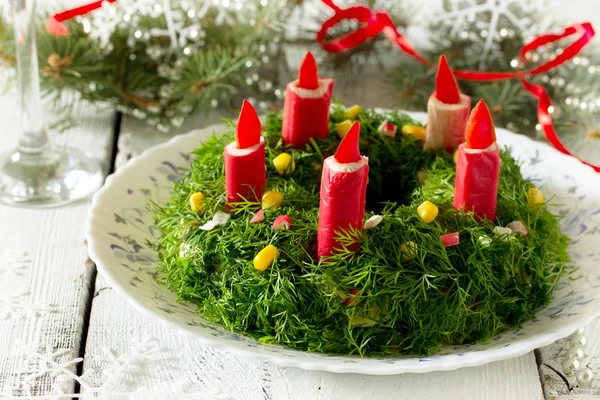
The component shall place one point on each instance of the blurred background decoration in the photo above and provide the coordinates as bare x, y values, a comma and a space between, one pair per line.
161, 61
487, 36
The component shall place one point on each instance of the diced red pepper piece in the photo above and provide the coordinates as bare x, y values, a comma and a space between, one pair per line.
450, 239
446, 87
247, 133
350, 300
348, 150
308, 76
480, 133
258, 217
282, 222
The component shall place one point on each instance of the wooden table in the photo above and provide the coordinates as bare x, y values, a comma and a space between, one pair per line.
54, 308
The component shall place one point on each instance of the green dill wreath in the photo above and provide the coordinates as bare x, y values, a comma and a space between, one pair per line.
381, 300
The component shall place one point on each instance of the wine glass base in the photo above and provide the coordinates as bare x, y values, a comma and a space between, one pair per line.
47, 179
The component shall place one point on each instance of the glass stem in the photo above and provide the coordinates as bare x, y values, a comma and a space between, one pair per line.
33, 138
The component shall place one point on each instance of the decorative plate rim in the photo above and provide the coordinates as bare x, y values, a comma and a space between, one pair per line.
518, 347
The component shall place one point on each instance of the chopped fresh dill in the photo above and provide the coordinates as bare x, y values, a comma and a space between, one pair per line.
454, 295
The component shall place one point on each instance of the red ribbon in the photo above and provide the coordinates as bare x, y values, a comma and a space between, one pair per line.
376, 22
55, 22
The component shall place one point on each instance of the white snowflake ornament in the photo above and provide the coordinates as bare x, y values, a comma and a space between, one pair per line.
15, 306
494, 21
14, 263
119, 376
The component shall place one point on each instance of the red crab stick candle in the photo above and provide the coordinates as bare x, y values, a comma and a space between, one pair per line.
447, 111
245, 168
478, 166
306, 106
343, 193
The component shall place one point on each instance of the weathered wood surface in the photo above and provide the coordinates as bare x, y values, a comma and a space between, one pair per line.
45, 272
557, 385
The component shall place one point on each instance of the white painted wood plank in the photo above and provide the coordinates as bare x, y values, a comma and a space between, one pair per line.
45, 273
559, 386
114, 323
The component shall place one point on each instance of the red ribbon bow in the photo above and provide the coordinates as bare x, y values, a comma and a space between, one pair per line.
377, 22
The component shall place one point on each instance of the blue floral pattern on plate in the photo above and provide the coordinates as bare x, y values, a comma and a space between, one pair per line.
120, 226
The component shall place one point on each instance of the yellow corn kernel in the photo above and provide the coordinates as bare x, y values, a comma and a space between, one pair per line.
284, 164
196, 202
271, 199
534, 197
455, 156
343, 128
408, 250
416, 131
265, 257
352, 112
427, 211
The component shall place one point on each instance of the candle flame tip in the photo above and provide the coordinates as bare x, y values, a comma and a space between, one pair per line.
480, 133
446, 87
348, 151
248, 129
308, 75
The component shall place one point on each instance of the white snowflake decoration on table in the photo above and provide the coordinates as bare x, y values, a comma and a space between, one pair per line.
494, 21
14, 306
14, 263
118, 372
54, 363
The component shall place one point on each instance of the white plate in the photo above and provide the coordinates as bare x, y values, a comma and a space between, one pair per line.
119, 226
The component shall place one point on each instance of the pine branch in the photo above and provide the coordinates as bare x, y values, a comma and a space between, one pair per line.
149, 78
